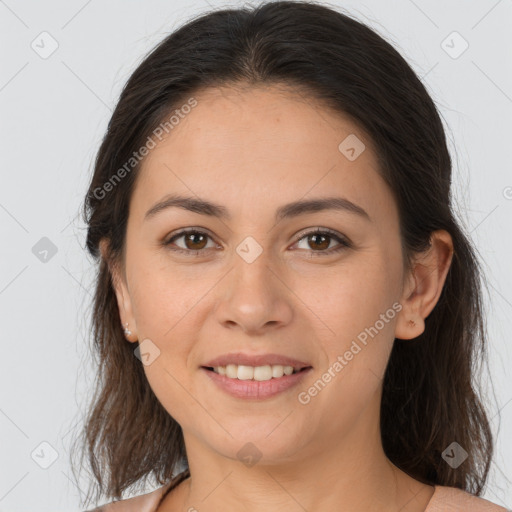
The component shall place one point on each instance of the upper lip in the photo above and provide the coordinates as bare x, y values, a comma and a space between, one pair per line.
240, 358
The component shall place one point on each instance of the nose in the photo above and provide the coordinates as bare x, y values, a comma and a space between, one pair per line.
253, 297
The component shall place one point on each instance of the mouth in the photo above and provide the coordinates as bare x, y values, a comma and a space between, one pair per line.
255, 382
255, 376
256, 373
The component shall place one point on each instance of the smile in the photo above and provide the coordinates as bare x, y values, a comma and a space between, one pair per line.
259, 382
259, 373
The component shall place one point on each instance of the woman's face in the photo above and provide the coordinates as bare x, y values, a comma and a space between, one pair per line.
257, 285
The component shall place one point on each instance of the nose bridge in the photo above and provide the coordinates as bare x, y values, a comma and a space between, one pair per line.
252, 274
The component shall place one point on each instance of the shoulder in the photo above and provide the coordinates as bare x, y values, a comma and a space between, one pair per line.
143, 503
451, 499
146, 502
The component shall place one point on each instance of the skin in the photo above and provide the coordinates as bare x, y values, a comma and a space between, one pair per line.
253, 150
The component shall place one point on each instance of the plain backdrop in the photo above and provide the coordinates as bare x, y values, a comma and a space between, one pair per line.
54, 111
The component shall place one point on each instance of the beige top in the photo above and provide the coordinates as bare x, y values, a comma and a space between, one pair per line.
146, 502
444, 499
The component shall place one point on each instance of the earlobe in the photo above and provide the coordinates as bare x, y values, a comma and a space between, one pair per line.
122, 296
410, 323
424, 287
408, 329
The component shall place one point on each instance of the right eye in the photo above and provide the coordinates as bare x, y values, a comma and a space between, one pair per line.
194, 241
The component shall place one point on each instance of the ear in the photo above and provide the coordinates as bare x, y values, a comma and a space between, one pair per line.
121, 290
424, 285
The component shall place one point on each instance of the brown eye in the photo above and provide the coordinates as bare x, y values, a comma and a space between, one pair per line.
319, 240
194, 241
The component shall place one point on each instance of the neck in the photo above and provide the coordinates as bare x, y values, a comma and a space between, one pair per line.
352, 474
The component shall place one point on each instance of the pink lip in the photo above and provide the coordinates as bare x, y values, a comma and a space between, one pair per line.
255, 389
239, 358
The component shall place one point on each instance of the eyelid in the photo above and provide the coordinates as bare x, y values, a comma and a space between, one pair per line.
343, 241
185, 231
318, 229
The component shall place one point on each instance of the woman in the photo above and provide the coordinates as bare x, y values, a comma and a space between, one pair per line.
286, 308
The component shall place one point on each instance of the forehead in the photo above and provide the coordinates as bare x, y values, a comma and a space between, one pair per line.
257, 148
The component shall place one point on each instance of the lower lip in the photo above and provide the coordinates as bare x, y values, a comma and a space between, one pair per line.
256, 389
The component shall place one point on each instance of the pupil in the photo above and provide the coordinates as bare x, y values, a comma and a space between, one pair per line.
191, 238
316, 237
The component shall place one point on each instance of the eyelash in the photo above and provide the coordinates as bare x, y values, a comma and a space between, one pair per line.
343, 242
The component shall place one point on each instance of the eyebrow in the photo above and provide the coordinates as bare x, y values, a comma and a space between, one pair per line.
286, 211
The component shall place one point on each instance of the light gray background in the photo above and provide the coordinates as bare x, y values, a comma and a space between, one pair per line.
54, 112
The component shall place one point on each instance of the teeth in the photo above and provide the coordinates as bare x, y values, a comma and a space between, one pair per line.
259, 373
278, 370
231, 371
245, 372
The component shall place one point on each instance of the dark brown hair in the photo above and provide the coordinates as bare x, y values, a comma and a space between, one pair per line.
429, 391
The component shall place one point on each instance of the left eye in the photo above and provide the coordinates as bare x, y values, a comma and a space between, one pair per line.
322, 239
191, 236
195, 241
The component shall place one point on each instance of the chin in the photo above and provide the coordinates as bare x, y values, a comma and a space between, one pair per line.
260, 444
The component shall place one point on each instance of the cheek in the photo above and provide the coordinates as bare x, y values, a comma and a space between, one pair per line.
359, 305
163, 306
357, 300
163, 297
165, 315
